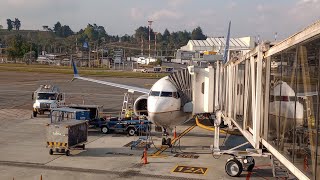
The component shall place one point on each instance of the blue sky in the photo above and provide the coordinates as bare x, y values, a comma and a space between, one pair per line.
119, 17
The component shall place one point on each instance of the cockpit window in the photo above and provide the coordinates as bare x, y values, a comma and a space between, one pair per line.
175, 95
154, 93
166, 94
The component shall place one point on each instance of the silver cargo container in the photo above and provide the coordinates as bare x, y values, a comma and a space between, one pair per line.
64, 135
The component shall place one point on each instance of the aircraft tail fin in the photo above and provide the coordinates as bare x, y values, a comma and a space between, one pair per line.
75, 70
226, 50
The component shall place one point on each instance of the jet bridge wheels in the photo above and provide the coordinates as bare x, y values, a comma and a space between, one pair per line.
236, 165
233, 167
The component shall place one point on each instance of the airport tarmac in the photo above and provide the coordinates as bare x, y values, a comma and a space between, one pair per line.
23, 152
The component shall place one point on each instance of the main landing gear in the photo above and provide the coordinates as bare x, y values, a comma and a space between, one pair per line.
165, 138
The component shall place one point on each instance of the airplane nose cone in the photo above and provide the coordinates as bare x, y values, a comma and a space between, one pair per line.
158, 105
153, 105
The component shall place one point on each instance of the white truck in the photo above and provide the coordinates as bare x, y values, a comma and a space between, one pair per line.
45, 98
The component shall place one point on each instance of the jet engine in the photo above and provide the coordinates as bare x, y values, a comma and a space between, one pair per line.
140, 106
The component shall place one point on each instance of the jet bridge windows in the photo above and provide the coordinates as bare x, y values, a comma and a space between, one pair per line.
294, 106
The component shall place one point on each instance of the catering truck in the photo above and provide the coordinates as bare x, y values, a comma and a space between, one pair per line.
45, 98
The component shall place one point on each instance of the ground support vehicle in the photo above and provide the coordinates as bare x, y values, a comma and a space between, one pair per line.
45, 98
65, 135
131, 127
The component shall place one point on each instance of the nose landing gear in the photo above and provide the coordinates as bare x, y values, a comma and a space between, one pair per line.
165, 139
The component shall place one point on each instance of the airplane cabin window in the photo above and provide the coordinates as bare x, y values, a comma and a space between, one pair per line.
154, 93
166, 94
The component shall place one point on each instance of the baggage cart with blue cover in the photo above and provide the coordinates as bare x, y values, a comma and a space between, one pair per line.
66, 113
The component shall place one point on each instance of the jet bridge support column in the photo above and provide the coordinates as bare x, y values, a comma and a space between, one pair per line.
217, 123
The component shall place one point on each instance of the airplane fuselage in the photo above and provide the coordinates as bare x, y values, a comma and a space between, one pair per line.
164, 105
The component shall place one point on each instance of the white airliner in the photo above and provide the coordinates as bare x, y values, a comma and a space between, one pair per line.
162, 102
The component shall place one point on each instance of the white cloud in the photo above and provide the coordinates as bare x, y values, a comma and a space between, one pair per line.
165, 14
232, 5
175, 3
136, 13
305, 9
24, 3
301, 2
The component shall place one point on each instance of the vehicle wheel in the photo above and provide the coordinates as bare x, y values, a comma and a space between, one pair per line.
169, 142
131, 131
105, 130
83, 146
164, 141
35, 113
250, 167
50, 151
67, 152
233, 168
148, 146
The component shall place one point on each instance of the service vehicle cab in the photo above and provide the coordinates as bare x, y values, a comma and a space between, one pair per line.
45, 98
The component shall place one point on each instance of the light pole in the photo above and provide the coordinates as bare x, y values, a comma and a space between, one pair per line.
155, 44
150, 23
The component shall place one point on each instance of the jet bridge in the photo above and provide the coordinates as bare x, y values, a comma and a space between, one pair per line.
271, 95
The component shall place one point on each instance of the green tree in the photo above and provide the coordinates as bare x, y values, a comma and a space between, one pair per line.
9, 23
62, 31
166, 35
57, 28
66, 31
197, 34
18, 46
144, 33
17, 23
90, 33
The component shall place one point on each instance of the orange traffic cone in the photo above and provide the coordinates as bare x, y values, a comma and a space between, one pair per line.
144, 156
175, 133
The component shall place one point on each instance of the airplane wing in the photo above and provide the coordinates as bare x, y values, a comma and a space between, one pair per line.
129, 88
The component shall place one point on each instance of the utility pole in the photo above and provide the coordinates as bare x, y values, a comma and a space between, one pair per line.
150, 23
155, 44
30, 54
89, 56
141, 46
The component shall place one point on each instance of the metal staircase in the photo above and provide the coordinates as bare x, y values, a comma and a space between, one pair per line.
278, 170
127, 104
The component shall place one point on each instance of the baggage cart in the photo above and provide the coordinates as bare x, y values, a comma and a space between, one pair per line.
63, 136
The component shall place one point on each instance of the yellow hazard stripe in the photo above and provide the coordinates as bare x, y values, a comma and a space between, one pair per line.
56, 144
